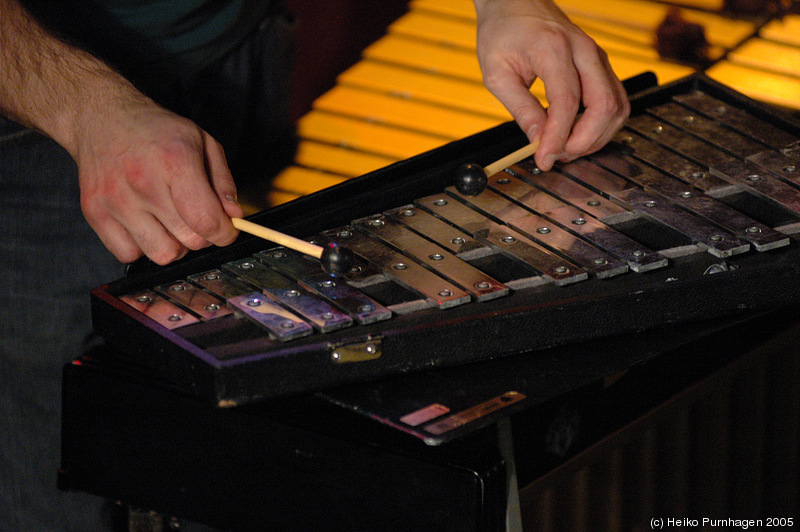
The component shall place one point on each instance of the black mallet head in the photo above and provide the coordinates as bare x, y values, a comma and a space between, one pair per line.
471, 179
337, 260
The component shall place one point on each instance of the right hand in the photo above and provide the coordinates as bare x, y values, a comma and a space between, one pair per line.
152, 183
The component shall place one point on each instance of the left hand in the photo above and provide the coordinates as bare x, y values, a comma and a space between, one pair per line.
521, 40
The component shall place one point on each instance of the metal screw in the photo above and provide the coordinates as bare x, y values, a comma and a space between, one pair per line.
600, 261
561, 269
482, 285
409, 212
254, 302
287, 324
650, 204
178, 287
292, 293
445, 293
212, 277
327, 316
716, 238
400, 266
327, 283
790, 169
698, 175
658, 130
440, 202
638, 254
579, 221
174, 317
543, 230
144, 299
753, 178
212, 307
509, 239
686, 194
366, 308
457, 241
376, 223
345, 233
593, 203
753, 229
503, 181
246, 266
436, 256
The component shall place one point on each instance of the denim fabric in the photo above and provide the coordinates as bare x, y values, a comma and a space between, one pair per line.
49, 259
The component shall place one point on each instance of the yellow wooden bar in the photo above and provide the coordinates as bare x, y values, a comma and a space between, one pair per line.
403, 113
785, 29
338, 160
767, 55
776, 89
469, 96
360, 135
454, 8
298, 180
438, 29
277, 197
425, 56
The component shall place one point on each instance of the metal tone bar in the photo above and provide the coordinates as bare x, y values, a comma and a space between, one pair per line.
682, 142
444, 234
279, 322
762, 237
308, 275
782, 166
504, 238
718, 242
554, 236
194, 299
158, 309
220, 284
656, 155
558, 186
736, 118
319, 313
709, 130
403, 269
479, 285
760, 183
639, 258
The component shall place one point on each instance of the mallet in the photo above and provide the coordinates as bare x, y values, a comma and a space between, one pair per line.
335, 259
471, 179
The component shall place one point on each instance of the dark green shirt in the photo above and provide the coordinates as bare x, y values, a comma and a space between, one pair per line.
154, 38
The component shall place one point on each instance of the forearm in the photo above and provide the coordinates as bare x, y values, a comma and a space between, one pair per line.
49, 85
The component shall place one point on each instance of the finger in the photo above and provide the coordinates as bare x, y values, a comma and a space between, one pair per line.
606, 106
563, 94
514, 93
221, 179
196, 217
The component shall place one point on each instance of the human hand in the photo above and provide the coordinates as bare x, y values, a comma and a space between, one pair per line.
152, 182
521, 40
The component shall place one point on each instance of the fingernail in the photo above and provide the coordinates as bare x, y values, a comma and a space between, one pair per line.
232, 199
548, 161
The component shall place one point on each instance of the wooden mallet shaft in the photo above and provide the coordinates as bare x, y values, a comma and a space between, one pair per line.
335, 259
307, 248
512, 158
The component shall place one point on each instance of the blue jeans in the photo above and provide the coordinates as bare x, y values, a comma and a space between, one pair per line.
49, 259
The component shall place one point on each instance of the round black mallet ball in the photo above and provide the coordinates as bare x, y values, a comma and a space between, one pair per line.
337, 260
471, 179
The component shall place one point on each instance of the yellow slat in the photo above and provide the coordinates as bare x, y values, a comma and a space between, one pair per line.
776, 89
363, 136
403, 113
425, 56
785, 30
767, 55
298, 180
439, 29
422, 86
338, 160
277, 197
